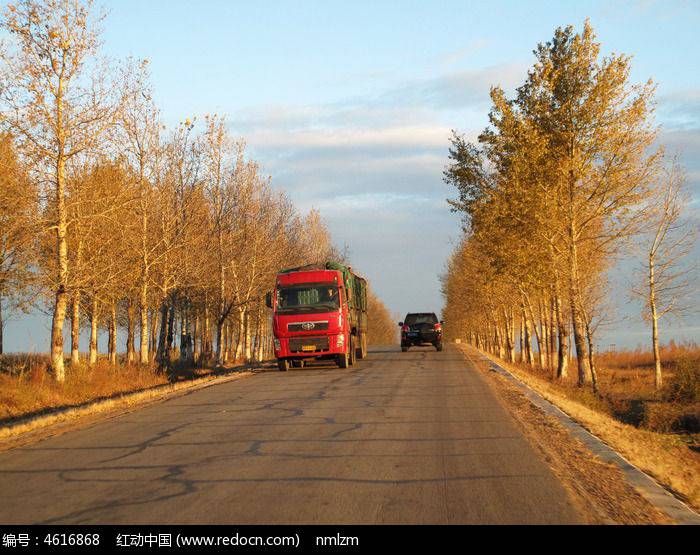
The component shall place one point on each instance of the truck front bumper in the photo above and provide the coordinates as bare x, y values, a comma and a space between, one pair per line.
308, 347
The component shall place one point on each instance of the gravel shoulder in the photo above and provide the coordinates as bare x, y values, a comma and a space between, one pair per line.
598, 488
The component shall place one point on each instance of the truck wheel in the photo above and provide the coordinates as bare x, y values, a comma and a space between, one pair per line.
343, 360
282, 364
362, 349
353, 351
404, 349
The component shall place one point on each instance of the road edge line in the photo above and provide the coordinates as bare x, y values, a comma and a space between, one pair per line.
646, 485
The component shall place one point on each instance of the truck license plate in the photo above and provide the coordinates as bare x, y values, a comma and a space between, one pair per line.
308, 347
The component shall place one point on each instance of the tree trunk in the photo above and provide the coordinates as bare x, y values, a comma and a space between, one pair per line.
185, 335
2, 324
658, 376
206, 339
591, 361
143, 285
510, 343
94, 317
563, 336
170, 337
113, 333
246, 336
544, 332
195, 340
153, 348
499, 341
59, 316
258, 338
130, 332
143, 311
263, 337
75, 329
576, 317
522, 339
229, 343
223, 355
61, 298
220, 351
535, 327
163, 351
552, 333
528, 338
239, 341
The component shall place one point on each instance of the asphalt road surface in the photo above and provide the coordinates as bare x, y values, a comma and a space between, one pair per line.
413, 437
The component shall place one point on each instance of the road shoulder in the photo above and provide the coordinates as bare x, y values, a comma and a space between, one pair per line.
598, 487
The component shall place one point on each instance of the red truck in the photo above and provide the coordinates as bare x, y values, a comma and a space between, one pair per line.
319, 312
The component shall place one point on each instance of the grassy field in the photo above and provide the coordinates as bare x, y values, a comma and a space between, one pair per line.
26, 387
626, 384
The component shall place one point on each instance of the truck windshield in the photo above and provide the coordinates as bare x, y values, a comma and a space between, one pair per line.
307, 298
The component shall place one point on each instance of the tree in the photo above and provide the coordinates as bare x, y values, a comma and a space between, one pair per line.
668, 241
558, 177
315, 243
140, 142
60, 106
381, 327
597, 130
18, 220
221, 165
102, 195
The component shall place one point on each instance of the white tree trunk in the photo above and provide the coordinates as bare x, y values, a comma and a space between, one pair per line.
658, 376
75, 330
93, 331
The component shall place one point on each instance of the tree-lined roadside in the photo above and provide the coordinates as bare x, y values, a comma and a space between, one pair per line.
113, 221
567, 177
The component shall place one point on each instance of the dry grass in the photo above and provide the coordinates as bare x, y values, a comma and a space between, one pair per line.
673, 459
627, 393
26, 388
34, 390
642, 361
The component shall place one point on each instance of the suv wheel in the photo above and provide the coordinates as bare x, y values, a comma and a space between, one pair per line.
282, 364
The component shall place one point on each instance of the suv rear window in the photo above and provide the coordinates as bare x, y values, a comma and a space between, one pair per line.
420, 318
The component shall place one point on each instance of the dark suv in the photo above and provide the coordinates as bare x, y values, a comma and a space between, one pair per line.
419, 328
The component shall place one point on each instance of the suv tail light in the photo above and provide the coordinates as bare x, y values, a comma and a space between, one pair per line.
405, 329
438, 327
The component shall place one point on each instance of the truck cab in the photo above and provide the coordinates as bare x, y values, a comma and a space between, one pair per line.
318, 313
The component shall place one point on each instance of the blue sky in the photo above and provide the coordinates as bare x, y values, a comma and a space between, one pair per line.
349, 105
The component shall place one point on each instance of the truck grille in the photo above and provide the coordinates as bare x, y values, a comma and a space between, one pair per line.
297, 344
315, 326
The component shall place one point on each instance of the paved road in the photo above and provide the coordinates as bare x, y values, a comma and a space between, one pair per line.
413, 437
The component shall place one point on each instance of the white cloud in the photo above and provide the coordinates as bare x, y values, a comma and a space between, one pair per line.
460, 89
394, 136
680, 109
